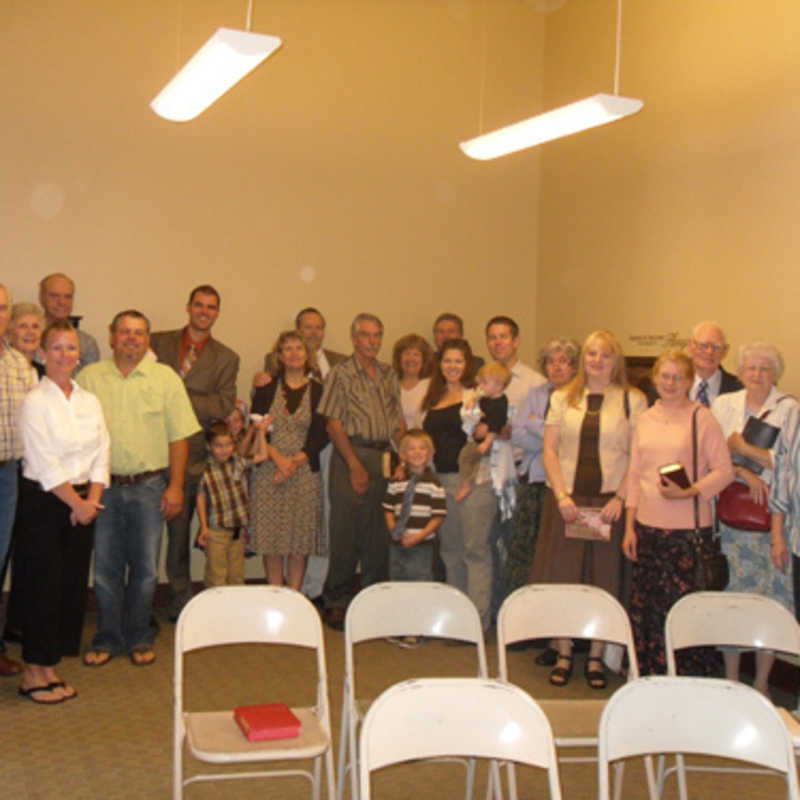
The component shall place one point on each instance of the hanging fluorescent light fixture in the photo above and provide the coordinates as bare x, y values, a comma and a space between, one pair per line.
218, 65
599, 109
591, 112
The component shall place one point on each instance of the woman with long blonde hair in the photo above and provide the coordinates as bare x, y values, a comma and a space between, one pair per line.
585, 455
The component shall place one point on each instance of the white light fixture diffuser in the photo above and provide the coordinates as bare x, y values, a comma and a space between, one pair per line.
220, 63
590, 112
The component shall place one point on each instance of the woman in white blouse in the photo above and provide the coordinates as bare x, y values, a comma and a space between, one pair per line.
759, 562
65, 468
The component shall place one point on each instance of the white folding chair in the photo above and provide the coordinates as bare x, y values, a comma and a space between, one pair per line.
400, 609
563, 610
250, 614
709, 716
735, 619
435, 717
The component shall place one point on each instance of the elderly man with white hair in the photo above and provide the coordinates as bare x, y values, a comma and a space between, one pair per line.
707, 348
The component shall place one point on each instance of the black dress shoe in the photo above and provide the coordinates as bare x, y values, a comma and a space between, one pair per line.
334, 618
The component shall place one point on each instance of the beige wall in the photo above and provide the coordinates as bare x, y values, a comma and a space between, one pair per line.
689, 210
339, 153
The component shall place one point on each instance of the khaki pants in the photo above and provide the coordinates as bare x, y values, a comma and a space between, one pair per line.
224, 558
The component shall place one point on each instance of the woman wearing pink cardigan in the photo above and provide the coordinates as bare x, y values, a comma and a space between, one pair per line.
660, 521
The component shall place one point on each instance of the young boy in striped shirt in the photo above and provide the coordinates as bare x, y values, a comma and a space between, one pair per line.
415, 508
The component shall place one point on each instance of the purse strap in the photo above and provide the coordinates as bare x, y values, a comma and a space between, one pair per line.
770, 410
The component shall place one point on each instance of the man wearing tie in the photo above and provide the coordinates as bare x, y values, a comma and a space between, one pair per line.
208, 369
708, 348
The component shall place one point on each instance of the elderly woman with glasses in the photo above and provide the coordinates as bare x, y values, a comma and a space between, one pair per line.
759, 562
558, 361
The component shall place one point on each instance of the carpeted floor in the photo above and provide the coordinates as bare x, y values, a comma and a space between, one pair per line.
113, 742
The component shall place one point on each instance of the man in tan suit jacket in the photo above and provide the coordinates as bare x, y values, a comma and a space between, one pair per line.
209, 370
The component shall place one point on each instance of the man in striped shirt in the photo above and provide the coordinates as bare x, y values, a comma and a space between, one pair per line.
361, 401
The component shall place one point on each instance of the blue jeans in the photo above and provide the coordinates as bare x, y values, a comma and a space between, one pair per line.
127, 534
8, 506
411, 563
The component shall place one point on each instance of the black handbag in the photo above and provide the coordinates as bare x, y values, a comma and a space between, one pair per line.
711, 571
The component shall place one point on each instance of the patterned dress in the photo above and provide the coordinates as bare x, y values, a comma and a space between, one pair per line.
286, 518
748, 552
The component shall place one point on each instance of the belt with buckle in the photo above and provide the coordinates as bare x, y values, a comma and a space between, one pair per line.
139, 477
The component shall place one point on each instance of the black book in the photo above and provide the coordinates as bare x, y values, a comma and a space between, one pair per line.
675, 473
760, 434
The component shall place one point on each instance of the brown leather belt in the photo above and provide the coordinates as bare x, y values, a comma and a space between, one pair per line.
139, 477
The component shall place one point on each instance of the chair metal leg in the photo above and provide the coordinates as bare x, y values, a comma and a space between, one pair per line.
681, 766
353, 765
343, 743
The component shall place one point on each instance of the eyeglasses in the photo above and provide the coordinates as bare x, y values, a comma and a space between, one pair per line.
711, 347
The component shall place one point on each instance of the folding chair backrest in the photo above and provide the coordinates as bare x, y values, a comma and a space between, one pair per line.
398, 608
434, 717
729, 618
238, 614
668, 714
563, 610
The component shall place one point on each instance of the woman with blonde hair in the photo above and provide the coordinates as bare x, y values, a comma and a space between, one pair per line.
585, 455
662, 515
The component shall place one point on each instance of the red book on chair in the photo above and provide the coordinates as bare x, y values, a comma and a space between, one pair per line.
267, 721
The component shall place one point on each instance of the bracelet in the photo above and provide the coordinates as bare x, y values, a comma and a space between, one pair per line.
562, 496
620, 498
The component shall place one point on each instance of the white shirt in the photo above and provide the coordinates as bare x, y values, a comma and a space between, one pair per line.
523, 379
64, 439
713, 386
322, 363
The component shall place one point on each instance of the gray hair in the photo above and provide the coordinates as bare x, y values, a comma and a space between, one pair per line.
763, 350
22, 310
364, 317
569, 347
711, 324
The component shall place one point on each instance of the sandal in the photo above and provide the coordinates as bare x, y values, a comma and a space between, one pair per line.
559, 676
96, 658
596, 678
142, 656
71, 691
32, 691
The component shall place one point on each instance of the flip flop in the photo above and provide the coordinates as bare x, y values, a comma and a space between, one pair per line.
62, 685
97, 653
29, 693
137, 656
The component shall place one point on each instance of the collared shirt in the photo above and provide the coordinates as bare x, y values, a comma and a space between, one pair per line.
187, 341
65, 438
17, 378
523, 379
322, 363
527, 433
367, 407
225, 486
144, 412
713, 386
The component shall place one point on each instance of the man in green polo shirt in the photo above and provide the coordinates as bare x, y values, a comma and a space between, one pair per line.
149, 419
